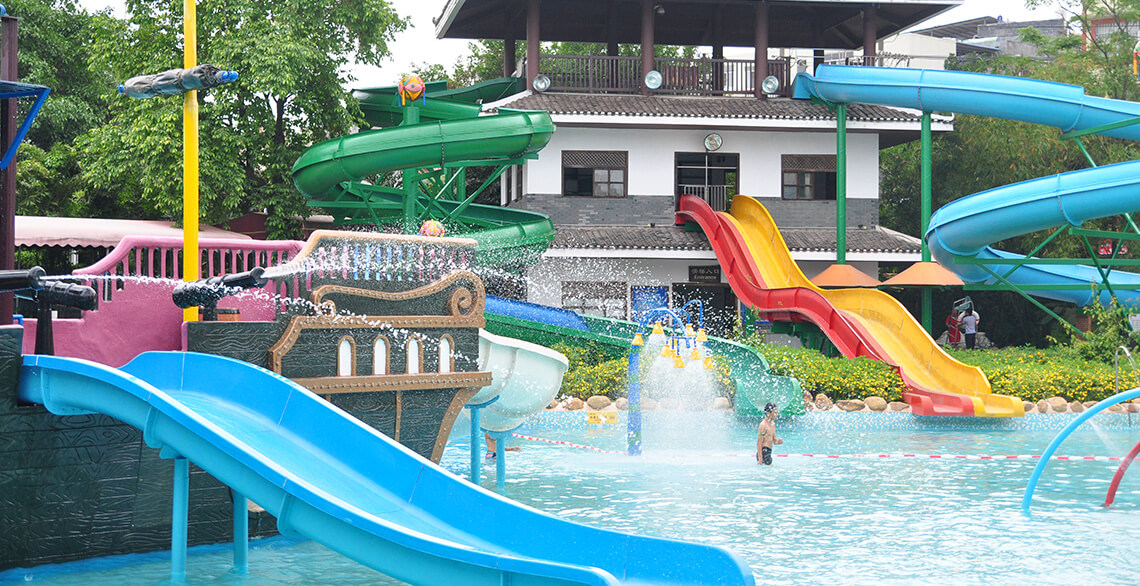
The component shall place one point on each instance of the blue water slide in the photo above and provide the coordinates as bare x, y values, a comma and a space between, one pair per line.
329, 477
525, 310
967, 226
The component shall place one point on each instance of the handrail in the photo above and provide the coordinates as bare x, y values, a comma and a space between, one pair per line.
123, 249
1065, 433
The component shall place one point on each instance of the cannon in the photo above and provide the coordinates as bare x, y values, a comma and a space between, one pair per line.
206, 293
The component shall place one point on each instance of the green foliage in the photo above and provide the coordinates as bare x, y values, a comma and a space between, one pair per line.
1028, 373
838, 378
592, 372
291, 58
52, 55
1110, 331
1034, 374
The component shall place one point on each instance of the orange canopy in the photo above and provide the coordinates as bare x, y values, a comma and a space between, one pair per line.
926, 274
844, 276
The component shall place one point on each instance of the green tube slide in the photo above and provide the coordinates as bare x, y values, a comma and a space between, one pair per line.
547, 326
451, 134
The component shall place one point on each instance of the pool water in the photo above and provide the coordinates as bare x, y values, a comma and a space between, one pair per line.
852, 520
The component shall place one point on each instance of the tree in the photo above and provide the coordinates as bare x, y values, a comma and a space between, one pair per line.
1100, 59
291, 57
47, 182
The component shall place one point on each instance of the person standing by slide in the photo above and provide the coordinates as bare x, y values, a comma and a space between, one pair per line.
953, 331
970, 328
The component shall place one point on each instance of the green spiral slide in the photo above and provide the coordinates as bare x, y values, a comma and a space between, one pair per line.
433, 142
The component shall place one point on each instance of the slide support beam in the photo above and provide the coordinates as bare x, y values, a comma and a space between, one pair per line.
241, 533
180, 519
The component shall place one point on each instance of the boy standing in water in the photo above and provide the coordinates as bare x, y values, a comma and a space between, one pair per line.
767, 435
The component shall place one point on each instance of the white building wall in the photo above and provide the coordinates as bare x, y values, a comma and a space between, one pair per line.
921, 51
652, 157
544, 279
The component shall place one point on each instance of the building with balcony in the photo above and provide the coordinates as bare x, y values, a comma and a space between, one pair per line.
636, 133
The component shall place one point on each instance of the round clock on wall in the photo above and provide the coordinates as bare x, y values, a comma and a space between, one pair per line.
713, 141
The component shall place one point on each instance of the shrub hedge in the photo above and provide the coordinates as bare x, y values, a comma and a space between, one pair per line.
592, 372
1028, 373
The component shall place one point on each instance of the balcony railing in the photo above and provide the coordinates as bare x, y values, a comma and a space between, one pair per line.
880, 60
716, 195
697, 77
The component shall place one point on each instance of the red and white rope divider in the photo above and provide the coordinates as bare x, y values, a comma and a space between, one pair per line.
846, 456
563, 443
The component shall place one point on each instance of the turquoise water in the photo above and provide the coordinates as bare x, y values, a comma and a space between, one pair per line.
848, 520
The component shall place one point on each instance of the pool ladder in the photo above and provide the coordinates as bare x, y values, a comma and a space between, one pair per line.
1116, 367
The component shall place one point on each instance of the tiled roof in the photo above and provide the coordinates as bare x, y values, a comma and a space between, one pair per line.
697, 107
874, 239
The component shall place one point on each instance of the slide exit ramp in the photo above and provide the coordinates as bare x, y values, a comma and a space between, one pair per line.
526, 377
967, 226
452, 131
325, 475
860, 322
546, 325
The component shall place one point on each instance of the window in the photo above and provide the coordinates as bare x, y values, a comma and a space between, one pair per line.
414, 355
714, 177
809, 177
345, 357
593, 298
445, 358
380, 355
594, 173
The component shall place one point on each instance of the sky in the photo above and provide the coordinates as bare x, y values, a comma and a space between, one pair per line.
419, 45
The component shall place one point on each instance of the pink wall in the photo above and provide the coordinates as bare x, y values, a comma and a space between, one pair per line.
133, 316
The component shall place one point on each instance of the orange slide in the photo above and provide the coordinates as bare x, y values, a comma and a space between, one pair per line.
859, 322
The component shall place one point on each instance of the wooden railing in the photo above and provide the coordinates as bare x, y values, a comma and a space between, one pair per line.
622, 75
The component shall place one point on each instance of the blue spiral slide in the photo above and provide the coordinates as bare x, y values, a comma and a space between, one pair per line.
329, 477
967, 226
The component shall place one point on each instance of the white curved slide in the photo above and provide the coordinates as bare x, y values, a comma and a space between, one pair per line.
526, 378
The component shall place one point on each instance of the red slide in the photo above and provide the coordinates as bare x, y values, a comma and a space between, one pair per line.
859, 322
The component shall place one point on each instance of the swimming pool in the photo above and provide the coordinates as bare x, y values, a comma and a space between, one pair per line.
849, 519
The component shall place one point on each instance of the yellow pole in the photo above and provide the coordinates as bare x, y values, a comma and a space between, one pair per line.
190, 255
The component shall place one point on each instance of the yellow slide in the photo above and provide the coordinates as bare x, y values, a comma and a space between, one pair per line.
928, 370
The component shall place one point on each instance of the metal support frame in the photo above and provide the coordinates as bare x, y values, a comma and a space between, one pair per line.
1103, 266
180, 519
841, 184
241, 532
476, 470
1020, 291
927, 188
500, 458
